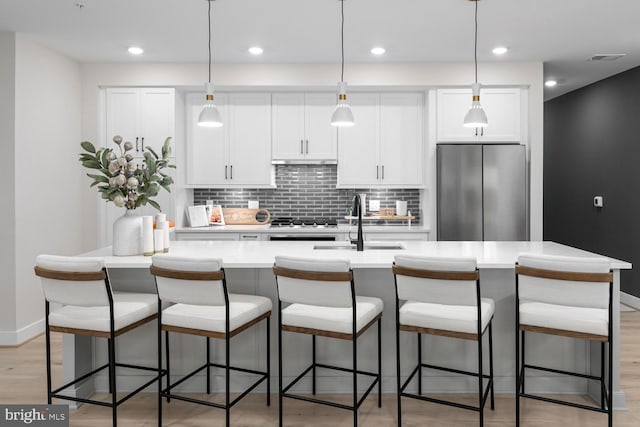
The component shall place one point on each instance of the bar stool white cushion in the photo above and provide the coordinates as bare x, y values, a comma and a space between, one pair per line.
457, 318
242, 309
579, 319
564, 304
128, 308
333, 319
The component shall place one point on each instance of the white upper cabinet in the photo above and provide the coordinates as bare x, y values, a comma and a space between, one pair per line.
503, 108
236, 154
302, 126
384, 148
144, 116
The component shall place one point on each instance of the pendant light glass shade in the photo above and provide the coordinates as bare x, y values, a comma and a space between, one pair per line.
342, 115
476, 117
210, 115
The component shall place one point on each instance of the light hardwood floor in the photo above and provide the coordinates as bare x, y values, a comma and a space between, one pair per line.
22, 380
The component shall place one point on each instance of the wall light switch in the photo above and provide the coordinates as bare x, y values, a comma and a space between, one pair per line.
254, 204
598, 201
374, 205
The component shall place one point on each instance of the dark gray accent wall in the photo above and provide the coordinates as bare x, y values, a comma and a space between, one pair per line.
592, 148
307, 191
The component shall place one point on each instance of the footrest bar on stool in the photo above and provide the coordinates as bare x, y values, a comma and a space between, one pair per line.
443, 402
83, 377
186, 377
81, 400
557, 371
139, 389
322, 402
454, 371
247, 391
565, 403
366, 393
191, 400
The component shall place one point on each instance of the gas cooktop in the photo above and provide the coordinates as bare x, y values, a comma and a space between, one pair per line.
290, 222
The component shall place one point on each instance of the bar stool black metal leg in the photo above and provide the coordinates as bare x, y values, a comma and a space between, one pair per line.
355, 380
109, 352
602, 394
313, 363
610, 373
398, 379
379, 364
517, 371
279, 364
419, 363
168, 363
227, 380
159, 335
47, 334
268, 361
208, 344
480, 388
491, 363
522, 364
112, 380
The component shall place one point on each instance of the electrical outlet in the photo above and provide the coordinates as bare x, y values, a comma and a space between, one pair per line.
254, 204
598, 201
374, 205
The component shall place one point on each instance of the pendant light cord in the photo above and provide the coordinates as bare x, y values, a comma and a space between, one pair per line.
475, 46
342, 40
209, 21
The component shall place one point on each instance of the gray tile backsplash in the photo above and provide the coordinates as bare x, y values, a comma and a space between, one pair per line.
307, 191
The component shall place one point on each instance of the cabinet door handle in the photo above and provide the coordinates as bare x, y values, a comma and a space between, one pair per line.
225, 171
142, 144
382, 171
481, 131
377, 172
231, 171
301, 146
137, 145
307, 146
476, 131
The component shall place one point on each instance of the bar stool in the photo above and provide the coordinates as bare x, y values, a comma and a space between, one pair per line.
569, 297
322, 302
442, 298
91, 308
202, 306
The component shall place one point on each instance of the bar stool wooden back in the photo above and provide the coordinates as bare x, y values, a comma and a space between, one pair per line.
321, 301
569, 297
202, 306
442, 297
86, 305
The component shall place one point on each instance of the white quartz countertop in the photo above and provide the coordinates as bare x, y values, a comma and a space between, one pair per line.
261, 254
342, 228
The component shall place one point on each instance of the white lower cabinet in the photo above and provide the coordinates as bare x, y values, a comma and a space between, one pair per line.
384, 149
206, 235
238, 154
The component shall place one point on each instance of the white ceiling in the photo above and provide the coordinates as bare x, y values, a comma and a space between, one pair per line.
561, 33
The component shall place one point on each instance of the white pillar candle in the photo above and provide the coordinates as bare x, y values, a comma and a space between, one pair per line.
158, 240
164, 226
147, 235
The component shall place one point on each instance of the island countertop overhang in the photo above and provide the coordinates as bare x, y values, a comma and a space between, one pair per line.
261, 254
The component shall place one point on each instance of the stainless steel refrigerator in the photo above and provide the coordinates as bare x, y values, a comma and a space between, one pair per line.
482, 192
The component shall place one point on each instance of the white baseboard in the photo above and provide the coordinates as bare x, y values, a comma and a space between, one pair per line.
630, 300
12, 338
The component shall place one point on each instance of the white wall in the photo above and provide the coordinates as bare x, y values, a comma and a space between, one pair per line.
50, 186
7, 214
419, 75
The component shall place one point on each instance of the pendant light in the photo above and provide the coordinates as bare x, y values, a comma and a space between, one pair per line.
476, 117
210, 115
342, 115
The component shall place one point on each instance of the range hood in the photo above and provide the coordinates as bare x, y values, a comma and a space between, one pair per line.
303, 162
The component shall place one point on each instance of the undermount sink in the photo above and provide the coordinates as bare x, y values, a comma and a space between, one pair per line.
390, 246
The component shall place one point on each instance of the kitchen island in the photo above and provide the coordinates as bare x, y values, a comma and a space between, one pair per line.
248, 267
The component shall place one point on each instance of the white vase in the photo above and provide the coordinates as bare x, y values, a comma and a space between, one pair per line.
127, 234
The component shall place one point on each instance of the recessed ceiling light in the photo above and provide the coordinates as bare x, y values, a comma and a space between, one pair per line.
500, 50
135, 50
255, 50
550, 83
378, 50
